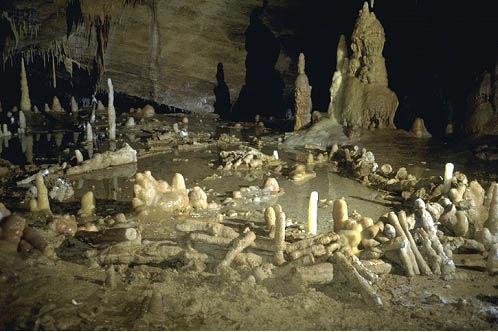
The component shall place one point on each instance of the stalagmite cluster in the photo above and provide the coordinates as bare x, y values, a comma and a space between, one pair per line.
158, 194
360, 96
41, 203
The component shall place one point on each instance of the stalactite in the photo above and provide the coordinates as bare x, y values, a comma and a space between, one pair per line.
25, 101
54, 79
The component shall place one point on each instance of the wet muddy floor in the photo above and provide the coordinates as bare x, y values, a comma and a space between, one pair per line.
70, 293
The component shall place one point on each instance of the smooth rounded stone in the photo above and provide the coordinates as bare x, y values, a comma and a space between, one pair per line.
185, 120
402, 174
148, 111
389, 231
272, 185
130, 122
237, 194
198, 198
228, 200
254, 188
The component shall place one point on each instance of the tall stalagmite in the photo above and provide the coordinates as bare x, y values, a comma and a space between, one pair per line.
362, 98
337, 80
111, 112
25, 101
302, 96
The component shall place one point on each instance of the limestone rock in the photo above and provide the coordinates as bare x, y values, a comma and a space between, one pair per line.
363, 97
302, 97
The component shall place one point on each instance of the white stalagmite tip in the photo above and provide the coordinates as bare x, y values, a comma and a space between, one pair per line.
313, 214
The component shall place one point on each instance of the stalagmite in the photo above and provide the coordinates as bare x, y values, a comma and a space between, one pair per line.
422, 264
270, 220
419, 130
89, 133
197, 198
74, 106
56, 105
79, 156
87, 205
340, 214
357, 281
492, 261
111, 112
6, 132
337, 79
236, 247
318, 274
280, 239
22, 123
25, 101
313, 214
407, 254
302, 96
211, 228
360, 96
152, 193
100, 107
41, 203
448, 177
492, 221
130, 122
123, 156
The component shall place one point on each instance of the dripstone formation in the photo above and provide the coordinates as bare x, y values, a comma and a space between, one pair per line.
360, 96
302, 97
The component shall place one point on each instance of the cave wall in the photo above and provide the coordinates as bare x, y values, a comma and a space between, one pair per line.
168, 51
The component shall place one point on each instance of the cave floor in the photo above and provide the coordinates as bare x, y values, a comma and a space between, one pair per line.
69, 293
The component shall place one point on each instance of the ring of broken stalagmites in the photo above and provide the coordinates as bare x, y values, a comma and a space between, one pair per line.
309, 261
465, 213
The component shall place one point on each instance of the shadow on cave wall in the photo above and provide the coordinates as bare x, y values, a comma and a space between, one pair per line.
222, 103
263, 90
